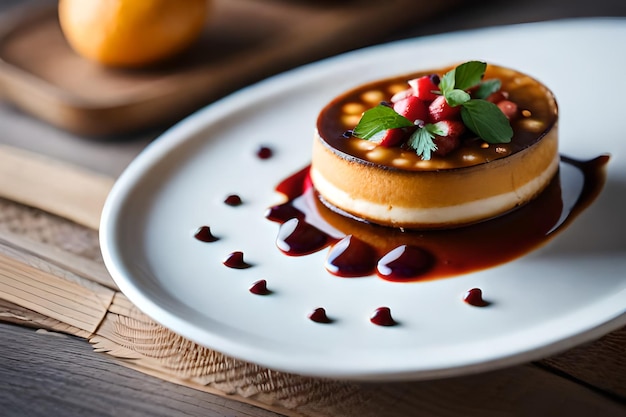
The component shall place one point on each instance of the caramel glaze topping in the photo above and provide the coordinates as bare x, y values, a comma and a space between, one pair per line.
537, 106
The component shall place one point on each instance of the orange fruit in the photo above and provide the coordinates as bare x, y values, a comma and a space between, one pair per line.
131, 33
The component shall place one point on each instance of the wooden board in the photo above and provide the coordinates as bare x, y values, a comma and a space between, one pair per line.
244, 41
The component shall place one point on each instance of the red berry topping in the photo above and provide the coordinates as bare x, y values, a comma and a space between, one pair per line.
439, 110
392, 137
497, 96
451, 128
508, 108
446, 144
423, 88
412, 108
449, 140
400, 95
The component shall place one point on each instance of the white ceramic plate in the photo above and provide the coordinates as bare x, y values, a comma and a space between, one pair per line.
568, 292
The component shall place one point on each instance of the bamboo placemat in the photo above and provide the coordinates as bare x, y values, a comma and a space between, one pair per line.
52, 276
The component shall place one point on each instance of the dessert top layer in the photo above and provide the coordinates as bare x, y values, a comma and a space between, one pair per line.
536, 116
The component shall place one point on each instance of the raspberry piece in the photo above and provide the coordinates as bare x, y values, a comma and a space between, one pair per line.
497, 97
451, 128
400, 95
508, 108
392, 137
423, 88
412, 108
439, 110
446, 144
450, 139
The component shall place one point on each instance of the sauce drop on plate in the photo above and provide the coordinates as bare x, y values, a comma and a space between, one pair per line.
319, 316
382, 317
260, 288
233, 200
264, 152
204, 234
475, 298
235, 260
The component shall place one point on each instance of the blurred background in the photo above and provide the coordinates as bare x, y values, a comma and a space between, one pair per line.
55, 94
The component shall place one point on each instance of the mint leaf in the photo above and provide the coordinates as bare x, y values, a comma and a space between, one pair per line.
377, 119
487, 88
422, 142
487, 121
446, 84
454, 82
469, 74
456, 97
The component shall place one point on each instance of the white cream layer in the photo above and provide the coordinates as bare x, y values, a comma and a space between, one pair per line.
432, 217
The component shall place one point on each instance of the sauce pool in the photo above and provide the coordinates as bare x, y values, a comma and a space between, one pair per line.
357, 248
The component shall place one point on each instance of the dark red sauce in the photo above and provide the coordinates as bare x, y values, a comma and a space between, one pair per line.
296, 237
233, 200
235, 260
319, 316
404, 262
358, 248
260, 288
382, 317
351, 257
204, 234
475, 298
264, 152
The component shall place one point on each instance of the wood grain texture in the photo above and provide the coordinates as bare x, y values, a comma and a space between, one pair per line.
40, 238
601, 364
139, 343
88, 383
62, 298
38, 181
151, 348
16, 314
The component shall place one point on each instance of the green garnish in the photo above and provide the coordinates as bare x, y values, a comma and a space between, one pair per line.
487, 88
487, 121
457, 97
483, 118
454, 83
422, 140
378, 119
468, 75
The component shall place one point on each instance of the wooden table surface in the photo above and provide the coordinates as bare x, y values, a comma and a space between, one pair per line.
51, 374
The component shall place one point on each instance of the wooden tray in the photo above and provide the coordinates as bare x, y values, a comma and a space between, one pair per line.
244, 41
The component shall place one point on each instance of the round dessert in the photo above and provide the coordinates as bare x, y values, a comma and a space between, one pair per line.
437, 149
